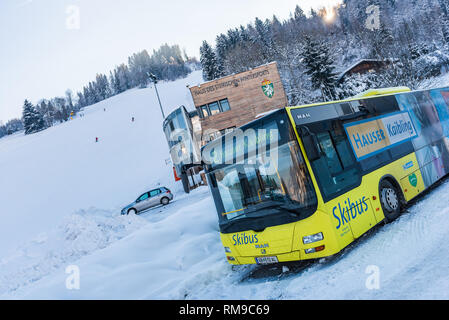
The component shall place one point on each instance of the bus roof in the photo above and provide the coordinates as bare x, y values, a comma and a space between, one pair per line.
383, 91
372, 93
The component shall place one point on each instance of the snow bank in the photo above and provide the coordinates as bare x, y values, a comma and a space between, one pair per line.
163, 259
78, 235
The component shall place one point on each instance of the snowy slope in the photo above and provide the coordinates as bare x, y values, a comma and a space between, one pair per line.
175, 252
54, 173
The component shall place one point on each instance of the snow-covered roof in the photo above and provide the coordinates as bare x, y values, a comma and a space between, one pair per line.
362, 61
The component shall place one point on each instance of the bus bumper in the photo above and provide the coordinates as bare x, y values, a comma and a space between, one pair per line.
283, 243
293, 256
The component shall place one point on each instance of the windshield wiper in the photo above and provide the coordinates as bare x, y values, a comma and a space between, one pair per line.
278, 205
283, 206
296, 212
230, 223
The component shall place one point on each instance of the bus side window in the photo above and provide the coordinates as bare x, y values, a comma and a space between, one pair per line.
327, 147
345, 151
336, 170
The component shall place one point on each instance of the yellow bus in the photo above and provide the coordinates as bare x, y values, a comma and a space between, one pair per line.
304, 182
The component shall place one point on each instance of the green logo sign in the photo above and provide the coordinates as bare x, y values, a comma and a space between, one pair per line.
413, 180
268, 88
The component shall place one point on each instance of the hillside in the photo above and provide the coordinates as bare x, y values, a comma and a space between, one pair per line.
52, 174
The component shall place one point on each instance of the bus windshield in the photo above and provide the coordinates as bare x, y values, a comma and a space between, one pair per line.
261, 179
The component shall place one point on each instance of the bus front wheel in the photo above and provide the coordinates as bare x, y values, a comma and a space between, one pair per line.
390, 200
185, 182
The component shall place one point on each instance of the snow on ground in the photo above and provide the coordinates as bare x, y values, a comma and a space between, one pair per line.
438, 82
178, 255
78, 235
174, 252
61, 179
150, 262
54, 173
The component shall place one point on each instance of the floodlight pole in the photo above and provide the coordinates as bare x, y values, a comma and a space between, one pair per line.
154, 80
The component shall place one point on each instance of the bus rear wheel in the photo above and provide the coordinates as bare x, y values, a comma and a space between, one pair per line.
390, 200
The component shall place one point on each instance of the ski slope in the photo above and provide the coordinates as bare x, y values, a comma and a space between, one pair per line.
48, 176
61, 208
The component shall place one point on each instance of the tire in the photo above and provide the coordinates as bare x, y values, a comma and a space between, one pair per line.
132, 211
165, 201
185, 182
390, 200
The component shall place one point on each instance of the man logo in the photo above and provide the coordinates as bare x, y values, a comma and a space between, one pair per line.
304, 116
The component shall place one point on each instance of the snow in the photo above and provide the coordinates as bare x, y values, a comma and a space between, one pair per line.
71, 217
438, 82
56, 172
178, 255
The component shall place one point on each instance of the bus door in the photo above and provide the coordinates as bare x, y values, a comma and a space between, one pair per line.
339, 178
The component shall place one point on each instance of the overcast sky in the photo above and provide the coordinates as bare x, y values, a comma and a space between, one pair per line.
45, 49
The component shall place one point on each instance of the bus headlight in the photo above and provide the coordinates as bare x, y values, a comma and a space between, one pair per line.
313, 238
227, 250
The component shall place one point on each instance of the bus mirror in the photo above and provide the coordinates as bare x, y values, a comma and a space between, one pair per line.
310, 143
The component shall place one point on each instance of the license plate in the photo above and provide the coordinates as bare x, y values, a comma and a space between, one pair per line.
267, 260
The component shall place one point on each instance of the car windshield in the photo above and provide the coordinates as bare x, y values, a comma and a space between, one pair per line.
268, 181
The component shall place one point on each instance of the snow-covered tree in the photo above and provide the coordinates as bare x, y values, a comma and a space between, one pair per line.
14, 125
382, 42
62, 112
32, 119
102, 88
222, 46
69, 99
139, 65
319, 67
48, 112
211, 67
263, 38
2, 130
